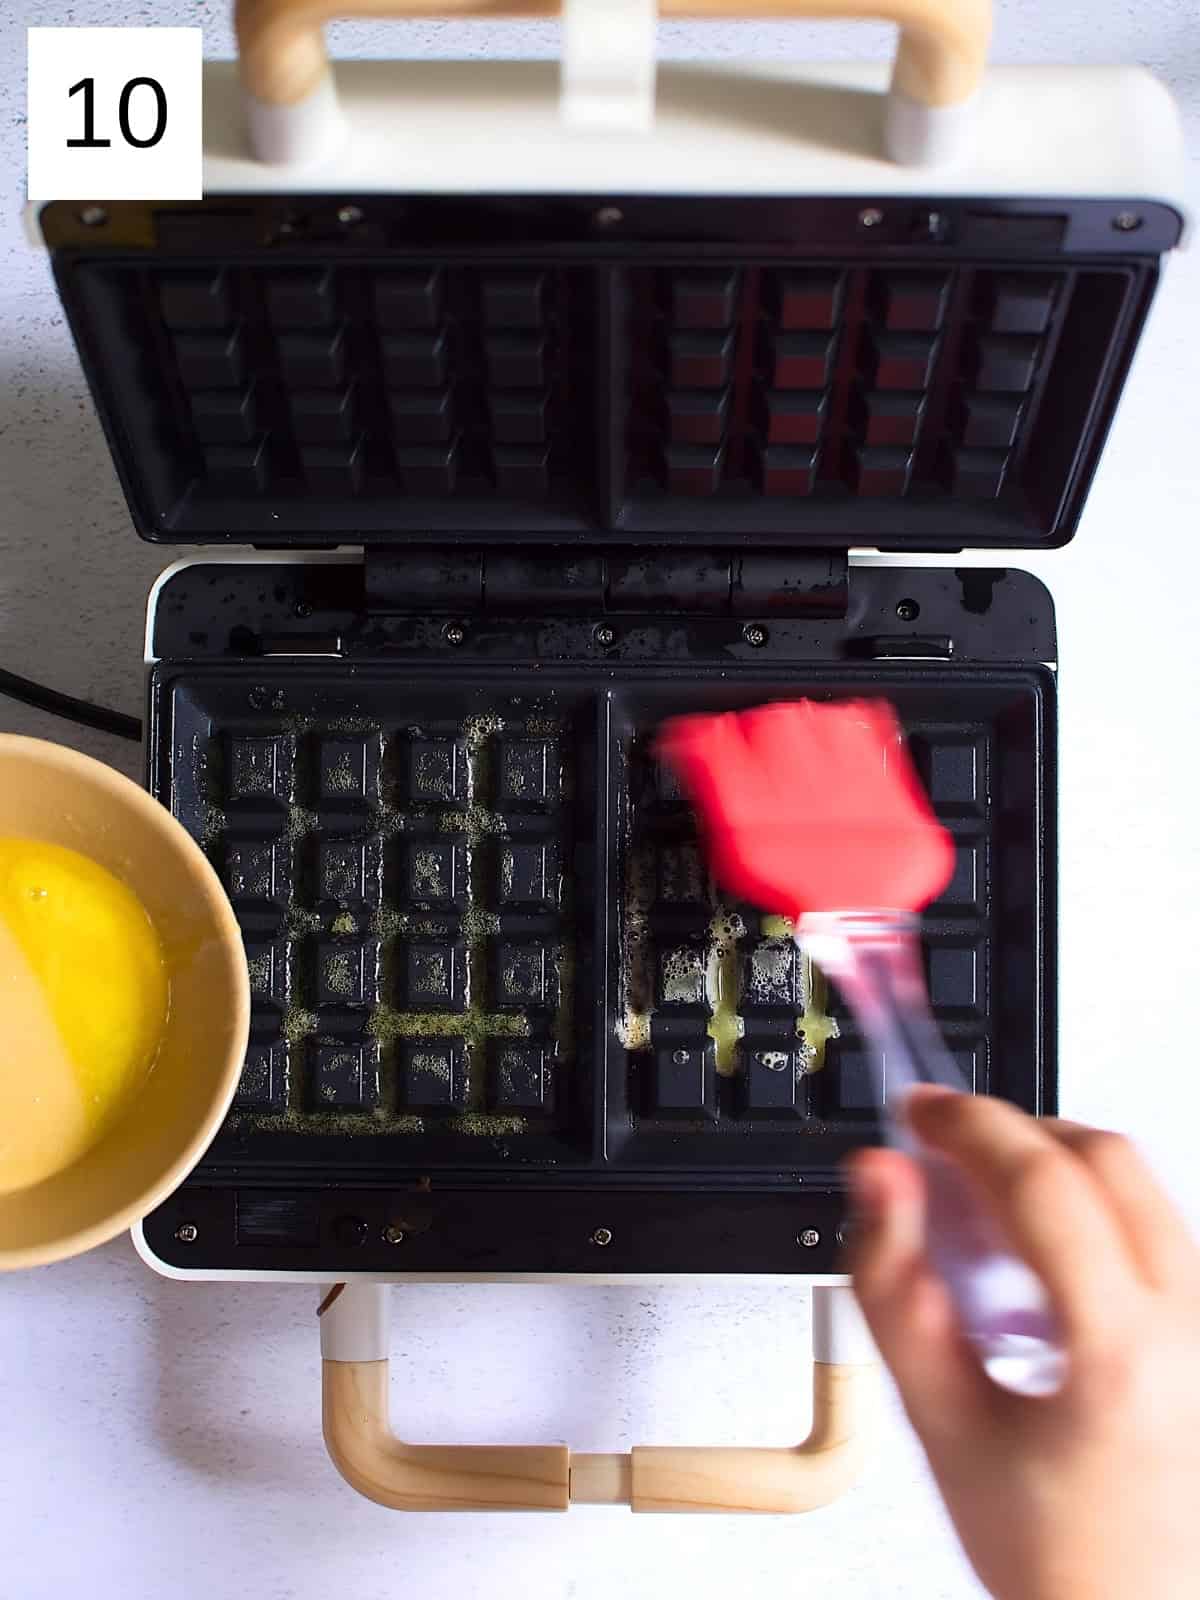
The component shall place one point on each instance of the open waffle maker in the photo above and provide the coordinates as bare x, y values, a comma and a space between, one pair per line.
518, 439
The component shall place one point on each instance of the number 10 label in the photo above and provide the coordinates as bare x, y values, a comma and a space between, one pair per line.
114, 114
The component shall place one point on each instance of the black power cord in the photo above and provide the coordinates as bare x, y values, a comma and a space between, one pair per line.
83, 712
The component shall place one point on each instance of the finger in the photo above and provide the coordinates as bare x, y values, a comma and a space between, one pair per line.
1155, 1233
1045, 1201
906, 1305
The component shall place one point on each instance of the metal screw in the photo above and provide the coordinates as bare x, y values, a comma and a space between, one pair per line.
808, 1238
871, 217
604, 636
454, 633
349, 214
302, 608
602, 1236
908, 611
755, 634
608, 216
843, 1233
393, 1235
680, 1057
187, 1233
1126, 221
93, 216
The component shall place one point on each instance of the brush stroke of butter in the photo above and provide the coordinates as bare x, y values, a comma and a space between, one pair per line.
83, 1005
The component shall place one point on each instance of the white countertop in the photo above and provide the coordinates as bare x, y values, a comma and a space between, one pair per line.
164, 1439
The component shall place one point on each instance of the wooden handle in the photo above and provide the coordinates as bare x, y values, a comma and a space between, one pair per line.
938, 67
406, 1477
939, 61
431, 1477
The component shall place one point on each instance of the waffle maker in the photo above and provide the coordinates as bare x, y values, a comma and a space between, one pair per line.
516, 433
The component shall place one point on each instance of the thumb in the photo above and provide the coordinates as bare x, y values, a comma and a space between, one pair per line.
907, 1306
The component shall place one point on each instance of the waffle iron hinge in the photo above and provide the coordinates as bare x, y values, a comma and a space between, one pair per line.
571, 582
645, 607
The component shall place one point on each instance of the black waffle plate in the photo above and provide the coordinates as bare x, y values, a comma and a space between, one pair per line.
935, 401
485, 952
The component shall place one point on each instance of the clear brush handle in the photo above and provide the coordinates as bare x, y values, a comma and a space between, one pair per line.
874, 959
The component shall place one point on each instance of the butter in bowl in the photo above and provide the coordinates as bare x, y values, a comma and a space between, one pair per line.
124, 1003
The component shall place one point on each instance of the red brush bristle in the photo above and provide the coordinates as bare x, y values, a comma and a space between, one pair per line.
809, 806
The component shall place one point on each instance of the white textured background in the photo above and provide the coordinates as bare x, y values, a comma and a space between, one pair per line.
158, 1439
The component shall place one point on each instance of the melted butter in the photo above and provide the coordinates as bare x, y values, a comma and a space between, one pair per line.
83, 1004
816, 1027
724, 1024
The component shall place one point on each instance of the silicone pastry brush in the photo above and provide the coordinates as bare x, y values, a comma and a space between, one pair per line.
815, 810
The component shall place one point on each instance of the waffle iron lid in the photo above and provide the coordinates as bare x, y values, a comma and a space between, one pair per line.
490, 371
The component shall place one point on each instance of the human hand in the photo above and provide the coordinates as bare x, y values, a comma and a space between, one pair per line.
1092, 1493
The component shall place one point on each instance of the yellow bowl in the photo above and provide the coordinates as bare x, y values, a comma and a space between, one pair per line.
57, 796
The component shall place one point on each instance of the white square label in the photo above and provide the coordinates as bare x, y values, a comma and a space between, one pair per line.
115, 114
